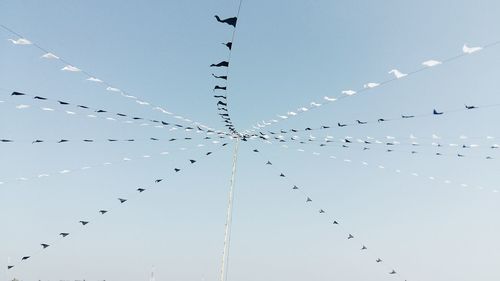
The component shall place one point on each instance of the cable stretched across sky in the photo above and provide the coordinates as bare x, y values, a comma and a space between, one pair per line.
397, 75
85, 167
382, 119
333, 220
95, 112
96, 140
69, 67
98, 214
463, 151
398, 170
463, 143
395, 138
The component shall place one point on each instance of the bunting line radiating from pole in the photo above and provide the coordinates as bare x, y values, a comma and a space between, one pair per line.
371, 143
397, 75
333, 220
464, 152
98, 140
399, 171
97, 113
71, 68
435, 140
125, 159
381, 120
98, 214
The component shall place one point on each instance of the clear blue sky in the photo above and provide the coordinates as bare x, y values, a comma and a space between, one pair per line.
285, 55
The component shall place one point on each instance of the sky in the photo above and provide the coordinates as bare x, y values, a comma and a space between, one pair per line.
284, 56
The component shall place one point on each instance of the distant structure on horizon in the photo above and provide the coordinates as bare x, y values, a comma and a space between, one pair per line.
152, 276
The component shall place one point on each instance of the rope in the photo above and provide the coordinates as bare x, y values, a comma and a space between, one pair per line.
361, 90
229, 59
229, 217
107, 85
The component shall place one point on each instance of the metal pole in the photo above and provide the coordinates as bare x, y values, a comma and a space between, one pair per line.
229, 217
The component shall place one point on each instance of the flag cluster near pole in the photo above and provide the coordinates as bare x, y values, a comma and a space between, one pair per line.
221, 90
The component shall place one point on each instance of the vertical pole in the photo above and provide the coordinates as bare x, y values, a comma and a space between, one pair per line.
229, 217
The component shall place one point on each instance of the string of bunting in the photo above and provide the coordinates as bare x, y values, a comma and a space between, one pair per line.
111, 116
437, 141
124, 159
411, 137
396, 75
369, 143
222, 99
335, 221
93, 140
380, 120
399, 171
99, 213
465, 151
20, 40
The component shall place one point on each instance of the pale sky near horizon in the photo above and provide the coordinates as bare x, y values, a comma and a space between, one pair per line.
285, 55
